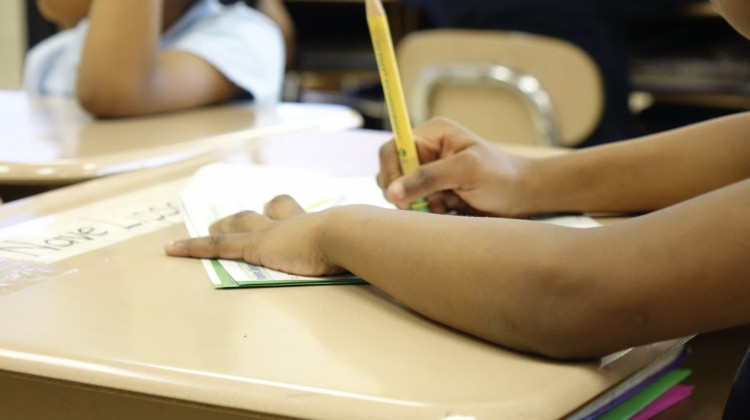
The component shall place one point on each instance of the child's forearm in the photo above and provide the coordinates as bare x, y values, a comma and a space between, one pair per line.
123, 72
63, 13
121, 51
484, 276
644, 174
562, 292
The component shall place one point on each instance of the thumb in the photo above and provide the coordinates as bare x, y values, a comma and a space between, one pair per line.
439, 175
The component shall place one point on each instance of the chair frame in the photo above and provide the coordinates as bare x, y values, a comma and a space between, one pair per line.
525, 86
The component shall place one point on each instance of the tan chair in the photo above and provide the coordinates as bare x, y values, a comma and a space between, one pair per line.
508, 87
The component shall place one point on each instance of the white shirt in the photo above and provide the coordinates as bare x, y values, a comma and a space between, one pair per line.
243, 44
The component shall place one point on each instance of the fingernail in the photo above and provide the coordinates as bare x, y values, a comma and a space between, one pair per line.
172, 245
396, 190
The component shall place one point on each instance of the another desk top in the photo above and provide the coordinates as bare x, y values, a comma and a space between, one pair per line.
52, 141
123, 316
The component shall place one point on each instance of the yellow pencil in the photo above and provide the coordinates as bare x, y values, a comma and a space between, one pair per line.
380, 33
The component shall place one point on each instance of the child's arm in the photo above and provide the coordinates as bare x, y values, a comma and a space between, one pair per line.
276, 10
737, 13
558, 291
63, 13
533, 286
638, 175
122, 72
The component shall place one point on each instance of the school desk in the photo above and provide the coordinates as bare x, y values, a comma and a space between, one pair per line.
48, 142
96, 322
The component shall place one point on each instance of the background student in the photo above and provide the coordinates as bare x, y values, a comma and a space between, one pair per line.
125, 58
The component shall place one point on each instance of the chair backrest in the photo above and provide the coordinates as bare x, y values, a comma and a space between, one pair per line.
508, 87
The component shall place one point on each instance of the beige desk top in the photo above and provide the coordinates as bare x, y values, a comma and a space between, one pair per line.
126, 318
51, 140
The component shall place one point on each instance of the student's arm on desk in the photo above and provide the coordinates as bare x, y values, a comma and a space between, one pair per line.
122, 72
537, 287
533, 286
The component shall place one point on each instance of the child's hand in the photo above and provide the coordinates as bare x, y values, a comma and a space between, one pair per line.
459, 172
284, 238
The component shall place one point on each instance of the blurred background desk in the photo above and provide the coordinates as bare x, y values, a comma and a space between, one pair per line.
692, 65
47, 142
678, 54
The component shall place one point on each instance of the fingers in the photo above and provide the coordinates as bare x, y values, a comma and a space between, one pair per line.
390, 171
446, 202
390, 168
446, 174
226, 246
290, 245
429, 147
282, 207
438, 141
244, 221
